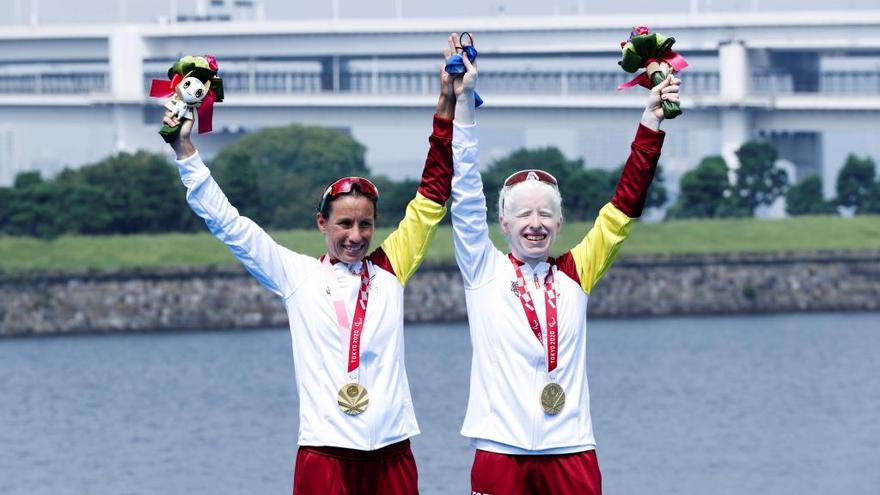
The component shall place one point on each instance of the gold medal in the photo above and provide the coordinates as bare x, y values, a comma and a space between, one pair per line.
552, 398
353, 399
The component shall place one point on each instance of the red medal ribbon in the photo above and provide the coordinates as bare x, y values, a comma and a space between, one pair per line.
529, 308
360, 314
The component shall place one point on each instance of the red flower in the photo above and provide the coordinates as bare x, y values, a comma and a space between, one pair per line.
636, 31
212, 62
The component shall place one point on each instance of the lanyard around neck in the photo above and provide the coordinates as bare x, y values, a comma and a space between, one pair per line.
355, 328
532, 316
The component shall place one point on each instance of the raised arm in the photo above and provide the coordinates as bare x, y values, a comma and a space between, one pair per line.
404, 249
274, 266
591, 258
470, 229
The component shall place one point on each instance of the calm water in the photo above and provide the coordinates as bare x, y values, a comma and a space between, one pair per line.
759, 405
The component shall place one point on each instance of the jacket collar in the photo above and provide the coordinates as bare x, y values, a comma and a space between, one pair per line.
541, 267
354, 268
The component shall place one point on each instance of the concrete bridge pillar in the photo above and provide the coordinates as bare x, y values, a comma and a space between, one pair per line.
126, 60
734, 88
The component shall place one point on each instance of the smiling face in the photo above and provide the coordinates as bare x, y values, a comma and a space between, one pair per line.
531, 220
191, 90
348, 230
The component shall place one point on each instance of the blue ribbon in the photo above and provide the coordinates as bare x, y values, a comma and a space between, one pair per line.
455, 66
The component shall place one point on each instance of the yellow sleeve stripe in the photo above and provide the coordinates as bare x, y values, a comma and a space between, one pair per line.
595, 254
407, 245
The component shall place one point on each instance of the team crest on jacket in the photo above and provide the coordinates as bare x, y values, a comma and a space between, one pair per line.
514, 287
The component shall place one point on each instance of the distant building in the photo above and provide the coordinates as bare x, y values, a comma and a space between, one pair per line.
222, 11
809, 83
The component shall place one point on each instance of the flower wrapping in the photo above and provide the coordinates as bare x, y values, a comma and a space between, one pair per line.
652, 52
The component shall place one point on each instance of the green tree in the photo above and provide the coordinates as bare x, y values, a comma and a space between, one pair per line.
24, 180
121, 194
33, 207
704, 190
584, 191
5, 201
549, 159
758, 181
141, 192
276, 176
85, 208
240, 182
395, 196
805, 198
872, 205
855, 183
657, 194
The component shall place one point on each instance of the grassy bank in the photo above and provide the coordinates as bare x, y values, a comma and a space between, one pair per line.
676, 237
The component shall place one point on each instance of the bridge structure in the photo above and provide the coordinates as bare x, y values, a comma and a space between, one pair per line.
807, 82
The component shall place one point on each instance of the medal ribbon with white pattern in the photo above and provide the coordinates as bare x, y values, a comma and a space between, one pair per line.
352, 398
552, 395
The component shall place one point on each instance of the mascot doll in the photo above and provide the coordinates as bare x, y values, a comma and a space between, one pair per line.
192, 84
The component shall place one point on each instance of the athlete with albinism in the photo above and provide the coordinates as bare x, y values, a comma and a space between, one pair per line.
345, 310
528, 413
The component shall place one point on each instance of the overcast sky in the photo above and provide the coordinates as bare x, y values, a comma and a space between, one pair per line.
108, 11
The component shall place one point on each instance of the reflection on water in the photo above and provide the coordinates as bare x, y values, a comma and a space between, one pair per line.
762, 405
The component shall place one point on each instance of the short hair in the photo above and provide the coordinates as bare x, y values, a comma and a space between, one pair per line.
504, 196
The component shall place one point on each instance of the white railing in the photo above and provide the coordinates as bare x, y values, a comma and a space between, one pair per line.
850, 82
422, 82
836, 82
55, 83
772, 82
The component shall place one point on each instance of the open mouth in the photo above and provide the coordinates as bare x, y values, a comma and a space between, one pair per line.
535, 237
353, 248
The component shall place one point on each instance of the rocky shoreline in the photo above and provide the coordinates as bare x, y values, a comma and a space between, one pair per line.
200, 298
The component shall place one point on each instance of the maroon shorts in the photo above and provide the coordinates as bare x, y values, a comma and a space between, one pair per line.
562, 474
390, 470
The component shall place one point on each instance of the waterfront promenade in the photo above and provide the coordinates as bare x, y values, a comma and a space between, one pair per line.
639, 285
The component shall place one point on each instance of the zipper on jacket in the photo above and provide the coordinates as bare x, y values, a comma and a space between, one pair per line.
370, 432
537, 416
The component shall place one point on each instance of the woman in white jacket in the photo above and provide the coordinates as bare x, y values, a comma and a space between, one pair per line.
528, 412
346, 315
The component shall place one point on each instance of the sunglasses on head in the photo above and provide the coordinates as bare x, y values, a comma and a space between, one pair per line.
345, 185
532, 174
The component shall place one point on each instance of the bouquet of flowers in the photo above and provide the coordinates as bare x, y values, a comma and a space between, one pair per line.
652, 52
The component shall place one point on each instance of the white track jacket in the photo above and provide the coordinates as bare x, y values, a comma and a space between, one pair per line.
509, 367
319, 351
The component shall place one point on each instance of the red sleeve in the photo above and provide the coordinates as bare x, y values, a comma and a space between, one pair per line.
632, 188
380, 259
565, 264
436, 182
